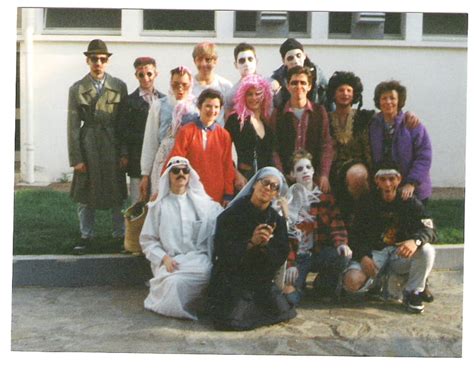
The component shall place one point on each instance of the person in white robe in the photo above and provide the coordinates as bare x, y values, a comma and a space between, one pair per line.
177, 239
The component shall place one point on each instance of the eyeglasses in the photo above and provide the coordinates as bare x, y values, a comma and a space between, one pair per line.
273, 185
298, 82
178, 170
180, 85
95, 59
301, 168
141, 74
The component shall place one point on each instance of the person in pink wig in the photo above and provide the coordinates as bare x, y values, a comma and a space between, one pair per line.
248, 125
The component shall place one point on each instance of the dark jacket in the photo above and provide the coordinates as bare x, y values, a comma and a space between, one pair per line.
133, 128
378, 224
318, 139
251, 149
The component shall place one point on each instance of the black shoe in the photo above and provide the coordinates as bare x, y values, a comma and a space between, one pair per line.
81, 247
413, 302
426, 295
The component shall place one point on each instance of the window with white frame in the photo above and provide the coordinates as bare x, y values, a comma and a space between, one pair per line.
444, 24
82, 19
271, 24
365, 25
178, 20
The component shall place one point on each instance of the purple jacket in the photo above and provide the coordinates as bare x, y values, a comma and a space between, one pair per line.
411, 149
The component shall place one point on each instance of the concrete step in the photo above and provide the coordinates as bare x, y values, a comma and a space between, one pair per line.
129, 270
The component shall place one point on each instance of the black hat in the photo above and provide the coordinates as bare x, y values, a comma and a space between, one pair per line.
97, 47
289, 44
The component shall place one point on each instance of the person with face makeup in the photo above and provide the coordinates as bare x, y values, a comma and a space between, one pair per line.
392, 235
248, 125
392, 139
133, 126
177, 239
165, 118
205, 58
245, 61
302, 124
97, 150
208, 146
318, 236
251, 243
293, 54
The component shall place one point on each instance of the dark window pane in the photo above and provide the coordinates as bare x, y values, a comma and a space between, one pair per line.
340, 22
83, 18
246, 21
178, 20
393, 24
298, 21
444, 24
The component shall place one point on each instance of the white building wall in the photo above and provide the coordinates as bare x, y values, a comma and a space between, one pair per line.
435, 74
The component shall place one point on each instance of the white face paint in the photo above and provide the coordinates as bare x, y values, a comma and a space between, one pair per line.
246, 63
303, 172
295, 57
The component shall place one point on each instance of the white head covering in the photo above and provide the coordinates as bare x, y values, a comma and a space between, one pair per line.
194, 187
261, 173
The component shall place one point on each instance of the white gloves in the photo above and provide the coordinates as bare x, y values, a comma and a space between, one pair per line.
291, 275
344, 250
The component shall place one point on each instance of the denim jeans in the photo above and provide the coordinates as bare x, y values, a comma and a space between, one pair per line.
87, 220
327, 263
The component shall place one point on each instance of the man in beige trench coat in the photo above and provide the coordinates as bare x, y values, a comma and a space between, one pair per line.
96, 150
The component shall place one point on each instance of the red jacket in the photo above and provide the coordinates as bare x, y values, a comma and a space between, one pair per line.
213, 164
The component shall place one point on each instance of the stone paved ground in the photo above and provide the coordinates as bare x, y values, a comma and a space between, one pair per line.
104, 319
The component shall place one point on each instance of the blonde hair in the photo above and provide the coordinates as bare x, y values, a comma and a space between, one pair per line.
205, 50
300, 154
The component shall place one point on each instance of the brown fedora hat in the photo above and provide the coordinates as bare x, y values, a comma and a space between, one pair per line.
97, 47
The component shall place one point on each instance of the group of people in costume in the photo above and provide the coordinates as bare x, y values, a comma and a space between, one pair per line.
253, 186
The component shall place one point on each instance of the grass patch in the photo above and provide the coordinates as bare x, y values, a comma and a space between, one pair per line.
46, 222
448, 216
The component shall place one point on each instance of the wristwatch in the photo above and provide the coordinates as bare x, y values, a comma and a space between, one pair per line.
418, 242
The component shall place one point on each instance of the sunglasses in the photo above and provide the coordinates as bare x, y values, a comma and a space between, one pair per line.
178, 170
297, 82
95, 59
178, 85
301, 168
267, 183
141, 74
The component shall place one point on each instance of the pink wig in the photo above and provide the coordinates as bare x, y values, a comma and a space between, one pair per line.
263, 87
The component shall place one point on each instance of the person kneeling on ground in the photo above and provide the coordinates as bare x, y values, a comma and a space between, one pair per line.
177, 239
392, 235
319, 237
251, 244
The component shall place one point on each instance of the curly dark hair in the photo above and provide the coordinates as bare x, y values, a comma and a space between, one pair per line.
386, 86
345, 78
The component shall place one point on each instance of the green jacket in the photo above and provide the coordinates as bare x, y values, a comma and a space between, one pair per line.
93, 138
